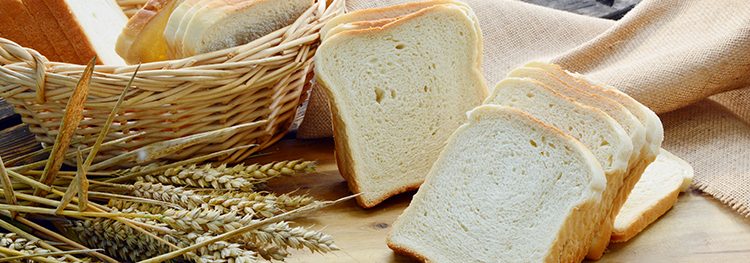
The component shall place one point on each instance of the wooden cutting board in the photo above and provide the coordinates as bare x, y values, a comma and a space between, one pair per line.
697, 229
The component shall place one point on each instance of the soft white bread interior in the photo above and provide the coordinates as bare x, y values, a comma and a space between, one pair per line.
387, 12
228, 23
142, 40
601, 133
506, 188
633, 127
654, 194
606, 138
100, 22
397, 92
654, 137
566, 85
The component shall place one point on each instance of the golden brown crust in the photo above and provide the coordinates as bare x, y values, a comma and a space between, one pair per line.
54, 31
382, 12
8, 28
72, 30
406, 251
645, 219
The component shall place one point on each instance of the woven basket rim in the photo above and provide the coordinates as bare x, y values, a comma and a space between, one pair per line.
24, 55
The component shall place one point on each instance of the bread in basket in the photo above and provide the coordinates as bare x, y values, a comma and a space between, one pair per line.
258, 85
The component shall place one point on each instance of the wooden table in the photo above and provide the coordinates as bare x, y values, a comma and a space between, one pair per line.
697, 229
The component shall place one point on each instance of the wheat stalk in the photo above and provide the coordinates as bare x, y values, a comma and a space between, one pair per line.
222, 177
119, 239
122, 241
222, 251
25, 246
261, 204
137, 206
270, 170
168, 193
199, 176
213, 221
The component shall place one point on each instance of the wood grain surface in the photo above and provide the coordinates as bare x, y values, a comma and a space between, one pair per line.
697, 229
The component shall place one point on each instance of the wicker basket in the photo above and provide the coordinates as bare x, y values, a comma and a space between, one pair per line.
260, 82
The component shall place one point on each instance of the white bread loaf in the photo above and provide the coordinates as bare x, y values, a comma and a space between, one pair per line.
654, 194
506, 188
92, 27
142, 40
222, 24
188, 19
397, 93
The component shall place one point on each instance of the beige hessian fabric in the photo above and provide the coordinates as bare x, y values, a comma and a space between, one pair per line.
672, 55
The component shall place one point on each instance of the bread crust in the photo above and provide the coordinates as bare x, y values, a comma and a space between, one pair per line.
407, 252
344, 160
53, 31
70, 28
393, 11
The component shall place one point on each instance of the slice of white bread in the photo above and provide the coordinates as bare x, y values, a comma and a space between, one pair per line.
654, 194
622, 115
228, 23
506, 188
397, 93
142, 40
606, 138
654, 137
387, 12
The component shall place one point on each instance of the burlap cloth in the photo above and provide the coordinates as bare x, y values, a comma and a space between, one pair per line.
674, 56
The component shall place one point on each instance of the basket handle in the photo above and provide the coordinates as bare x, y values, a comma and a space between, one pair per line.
10, 53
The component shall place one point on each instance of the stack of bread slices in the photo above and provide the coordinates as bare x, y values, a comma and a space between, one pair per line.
170, 29
539, 172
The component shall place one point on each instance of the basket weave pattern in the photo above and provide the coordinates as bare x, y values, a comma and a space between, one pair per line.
259, 82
